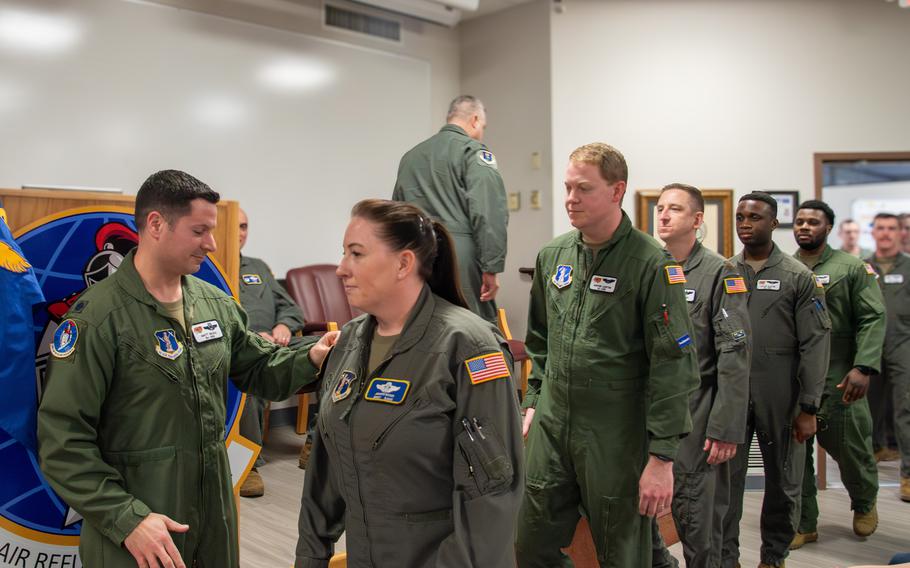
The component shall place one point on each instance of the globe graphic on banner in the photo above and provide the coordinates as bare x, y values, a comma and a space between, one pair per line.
69, 251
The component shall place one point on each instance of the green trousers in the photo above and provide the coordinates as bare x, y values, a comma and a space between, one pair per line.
896, 371
251, 422
586, 460
845, 432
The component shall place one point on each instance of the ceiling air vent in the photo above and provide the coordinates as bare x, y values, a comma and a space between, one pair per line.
358, 22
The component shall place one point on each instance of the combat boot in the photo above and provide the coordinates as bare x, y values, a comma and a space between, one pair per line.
905, 489
253, 486
886, 455
799, 539
864, 524
304, 456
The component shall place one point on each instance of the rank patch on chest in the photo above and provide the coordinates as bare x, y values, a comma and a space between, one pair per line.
487, 367
603, 284
735, 285
675, 274
344, 386
822, 279
768, 285
563, 276
251, 279
690, 295
389, 391
168, 345
894, 278
207, 331
869, 270
65, 339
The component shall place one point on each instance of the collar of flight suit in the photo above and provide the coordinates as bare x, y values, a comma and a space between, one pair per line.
826, 254
624, 228
774, 258
454, 128
129, 280
415, 326
695, 257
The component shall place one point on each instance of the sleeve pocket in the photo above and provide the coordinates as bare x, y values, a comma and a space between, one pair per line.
482, 464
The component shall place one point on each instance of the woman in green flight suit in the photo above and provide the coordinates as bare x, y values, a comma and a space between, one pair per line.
418, 448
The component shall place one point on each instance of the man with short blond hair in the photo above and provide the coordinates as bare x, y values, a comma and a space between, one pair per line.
848, 231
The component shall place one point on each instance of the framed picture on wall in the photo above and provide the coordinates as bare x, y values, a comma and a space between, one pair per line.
787, 202
716, 232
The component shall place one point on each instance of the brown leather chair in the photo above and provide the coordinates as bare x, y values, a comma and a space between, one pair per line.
320, 294
519, 353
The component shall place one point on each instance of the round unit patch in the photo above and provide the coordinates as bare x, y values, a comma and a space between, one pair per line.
65, 339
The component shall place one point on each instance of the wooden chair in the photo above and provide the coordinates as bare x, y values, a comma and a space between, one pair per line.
519, 353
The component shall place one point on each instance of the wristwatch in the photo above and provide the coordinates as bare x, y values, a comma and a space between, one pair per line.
865, 370
808, 408
663, 458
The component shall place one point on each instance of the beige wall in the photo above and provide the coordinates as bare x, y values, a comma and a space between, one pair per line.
505, 60
728, 94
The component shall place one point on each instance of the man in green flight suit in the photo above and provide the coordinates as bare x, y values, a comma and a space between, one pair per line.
716, 296
893, 269
857, 313
273, 315
790, 335
613, 365
131, 427
453, 176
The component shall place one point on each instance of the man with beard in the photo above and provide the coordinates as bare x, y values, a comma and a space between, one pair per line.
790, 330
893, 269
857, 314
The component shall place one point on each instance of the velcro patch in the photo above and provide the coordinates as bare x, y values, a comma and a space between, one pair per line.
675, 274
486, 158
894, 278
487, 368
389, 391
823, 279
683, 341
818, 282
869, 270
65, 339
735, 285
251, 279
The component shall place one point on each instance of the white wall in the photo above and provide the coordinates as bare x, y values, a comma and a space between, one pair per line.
505, 60
728, 94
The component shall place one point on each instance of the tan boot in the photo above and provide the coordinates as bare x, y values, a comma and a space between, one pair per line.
253, 485
304, 457
905, 489
864, 524
887, 455
799, 539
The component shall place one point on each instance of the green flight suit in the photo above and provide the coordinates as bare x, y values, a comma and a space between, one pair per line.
454, 178
857, 313
267, 304
719, 310
895, 366
419, 461
611, 343
133, 417
791, 339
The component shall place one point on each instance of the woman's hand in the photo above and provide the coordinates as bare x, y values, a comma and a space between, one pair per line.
321, 348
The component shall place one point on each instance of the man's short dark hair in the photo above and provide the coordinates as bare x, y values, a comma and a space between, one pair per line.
886, 216
764, 198
819, 206
170, 192
698, 200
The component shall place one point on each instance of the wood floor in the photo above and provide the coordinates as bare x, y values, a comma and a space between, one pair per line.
268, 525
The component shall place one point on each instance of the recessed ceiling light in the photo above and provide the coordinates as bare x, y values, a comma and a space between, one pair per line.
35, 32
296, 74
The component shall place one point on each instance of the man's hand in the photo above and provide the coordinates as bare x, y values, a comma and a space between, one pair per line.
655, 488
719, 452
488, 287
320, 349
281, 334
804, 427
854, 385
151, 544
526, 422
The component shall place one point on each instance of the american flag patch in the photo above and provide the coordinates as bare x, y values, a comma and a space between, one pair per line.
487, 367
735, 285
675, 274
869, 270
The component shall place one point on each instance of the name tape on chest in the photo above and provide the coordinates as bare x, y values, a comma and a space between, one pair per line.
487, 368
562, 277
603, 284
65, 339
690, 295
206, 331
773, 285
251, 279
344, 386
735, 285
821, 280
675, 274
389, 391
894, 279
168, 346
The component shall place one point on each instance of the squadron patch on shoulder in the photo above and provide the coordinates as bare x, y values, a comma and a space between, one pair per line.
251, 279
65, 339
675, 274
343, 388
563, 276
487, 158
487, 368
389, 391
168, 345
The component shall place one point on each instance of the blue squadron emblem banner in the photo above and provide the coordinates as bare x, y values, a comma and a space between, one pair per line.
343, 388
563, 276
168, 345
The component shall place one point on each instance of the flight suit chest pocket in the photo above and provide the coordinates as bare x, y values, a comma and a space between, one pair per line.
730, 333
559, 300
143, 363
602, 303
213, 355
482, 465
